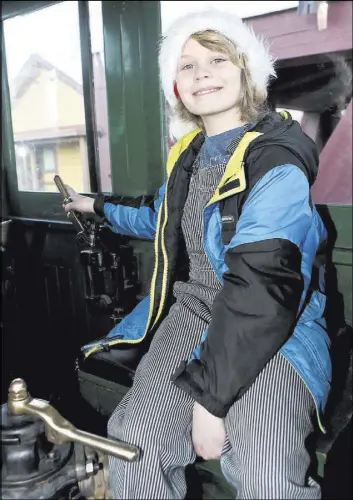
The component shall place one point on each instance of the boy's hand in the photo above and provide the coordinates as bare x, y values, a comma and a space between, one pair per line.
208, 433
79, 203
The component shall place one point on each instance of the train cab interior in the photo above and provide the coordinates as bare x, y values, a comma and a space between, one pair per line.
81, 100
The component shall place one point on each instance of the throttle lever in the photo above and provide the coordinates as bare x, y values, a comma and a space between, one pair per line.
72, 216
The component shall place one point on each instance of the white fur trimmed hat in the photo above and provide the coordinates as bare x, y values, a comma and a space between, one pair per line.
260, 62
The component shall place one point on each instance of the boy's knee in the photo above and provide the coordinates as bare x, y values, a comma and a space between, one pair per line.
258, 482
262, 478
114, 425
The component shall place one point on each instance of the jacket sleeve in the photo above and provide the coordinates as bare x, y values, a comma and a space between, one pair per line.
131, 217
255, 312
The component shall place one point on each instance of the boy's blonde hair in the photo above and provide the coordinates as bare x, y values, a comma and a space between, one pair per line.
252, 102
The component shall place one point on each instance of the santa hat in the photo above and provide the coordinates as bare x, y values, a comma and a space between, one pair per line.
259, 61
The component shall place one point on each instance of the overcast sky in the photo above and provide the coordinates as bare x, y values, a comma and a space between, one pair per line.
53, 32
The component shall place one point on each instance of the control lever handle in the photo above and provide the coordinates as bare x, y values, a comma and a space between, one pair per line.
66, 199
62, 189
58, 430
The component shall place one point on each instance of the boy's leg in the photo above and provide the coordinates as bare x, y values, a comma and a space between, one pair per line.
265, 455
156, 416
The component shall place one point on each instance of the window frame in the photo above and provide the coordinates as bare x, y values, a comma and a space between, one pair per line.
13, 9
36, 204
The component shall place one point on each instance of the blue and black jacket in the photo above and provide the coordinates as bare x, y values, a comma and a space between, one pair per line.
262, 235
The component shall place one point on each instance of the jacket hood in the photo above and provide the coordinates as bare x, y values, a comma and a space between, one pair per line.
287, 133
276, 129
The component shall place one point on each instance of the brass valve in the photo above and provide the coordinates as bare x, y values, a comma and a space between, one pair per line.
58, 430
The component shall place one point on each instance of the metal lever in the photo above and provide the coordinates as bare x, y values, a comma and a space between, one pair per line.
66, 199
58, 430
62, 189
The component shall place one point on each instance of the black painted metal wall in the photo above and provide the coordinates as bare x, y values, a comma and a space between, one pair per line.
44, 315
45, 319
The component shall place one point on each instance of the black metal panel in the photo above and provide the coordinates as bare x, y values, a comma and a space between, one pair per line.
46, 321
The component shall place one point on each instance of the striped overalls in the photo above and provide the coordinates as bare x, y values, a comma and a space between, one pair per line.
264, 455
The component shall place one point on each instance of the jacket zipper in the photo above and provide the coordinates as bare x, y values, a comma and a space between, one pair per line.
165, 258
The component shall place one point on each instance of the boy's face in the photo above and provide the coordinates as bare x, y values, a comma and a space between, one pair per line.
208, 82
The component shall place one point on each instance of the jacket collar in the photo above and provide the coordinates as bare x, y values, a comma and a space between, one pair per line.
234, 179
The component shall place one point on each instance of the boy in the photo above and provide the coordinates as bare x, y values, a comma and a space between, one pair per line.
239, 358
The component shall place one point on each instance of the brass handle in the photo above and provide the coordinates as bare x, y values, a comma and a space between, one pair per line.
72, 216
59, 430
62, 189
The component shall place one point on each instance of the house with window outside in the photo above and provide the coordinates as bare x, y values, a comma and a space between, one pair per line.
53, 139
